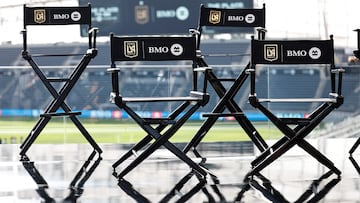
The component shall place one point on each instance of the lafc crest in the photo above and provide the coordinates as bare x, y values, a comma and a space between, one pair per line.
131, 49
39, 16
271, 52
142, 14
214, 17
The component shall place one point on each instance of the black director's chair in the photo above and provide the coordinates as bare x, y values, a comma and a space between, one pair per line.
47, 16
281, 53
226, 18
169, 48
357, 143
220, 17
357, 55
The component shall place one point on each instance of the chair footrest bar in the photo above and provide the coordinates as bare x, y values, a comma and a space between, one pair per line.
294, 100
158, 99
295, 121
60, 114
227, 79
222, 114
58, 79
202, 69
158, 121
194, 96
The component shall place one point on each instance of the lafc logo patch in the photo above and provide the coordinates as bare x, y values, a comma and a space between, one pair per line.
39, 16
131, 49
215, 17
271, 52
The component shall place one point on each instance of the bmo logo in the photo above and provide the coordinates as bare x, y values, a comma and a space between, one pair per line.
75, 16
175, 49
296, 53
313, 53
158, 50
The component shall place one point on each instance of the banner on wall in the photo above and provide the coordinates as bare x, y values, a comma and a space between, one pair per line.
120, 114
131, 17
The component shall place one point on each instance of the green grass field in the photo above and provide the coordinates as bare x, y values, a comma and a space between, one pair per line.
62, 130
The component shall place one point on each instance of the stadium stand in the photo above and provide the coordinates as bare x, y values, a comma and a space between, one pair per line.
19, 84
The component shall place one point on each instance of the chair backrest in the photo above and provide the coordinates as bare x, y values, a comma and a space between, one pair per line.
155, 48
357, 52
221, 17
45, 16
152, 48
292, 52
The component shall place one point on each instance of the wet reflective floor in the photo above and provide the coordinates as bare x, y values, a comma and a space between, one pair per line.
71, 172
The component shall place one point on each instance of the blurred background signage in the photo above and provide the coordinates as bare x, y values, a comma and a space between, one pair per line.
130, 17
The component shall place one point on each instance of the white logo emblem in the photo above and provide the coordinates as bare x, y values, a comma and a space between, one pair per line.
250, 18
75, 16
176, 49
182, 13
315, 53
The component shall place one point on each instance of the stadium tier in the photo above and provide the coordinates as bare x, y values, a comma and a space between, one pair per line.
21, 89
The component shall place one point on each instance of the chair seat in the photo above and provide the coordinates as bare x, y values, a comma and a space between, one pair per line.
297, 100
194, 96
51, 55
164, 121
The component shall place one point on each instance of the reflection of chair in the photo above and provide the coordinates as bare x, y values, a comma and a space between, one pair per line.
290, 53
355, 164
36, 16
214, 17
160, 49
76, 186
311, 194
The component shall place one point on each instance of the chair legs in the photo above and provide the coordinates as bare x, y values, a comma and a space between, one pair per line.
52, 110
314, 193
226, 102
159, 131
75, 186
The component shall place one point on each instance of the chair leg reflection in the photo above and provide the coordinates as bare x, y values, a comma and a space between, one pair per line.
356, 165
312, 194
76, 186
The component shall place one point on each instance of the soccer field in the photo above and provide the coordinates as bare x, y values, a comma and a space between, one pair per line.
62, 130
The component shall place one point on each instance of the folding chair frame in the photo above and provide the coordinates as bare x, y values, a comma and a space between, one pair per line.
59, 97
158, 129
43, 16
76, 184
312, 194
226, 95
357, 55
302, 126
